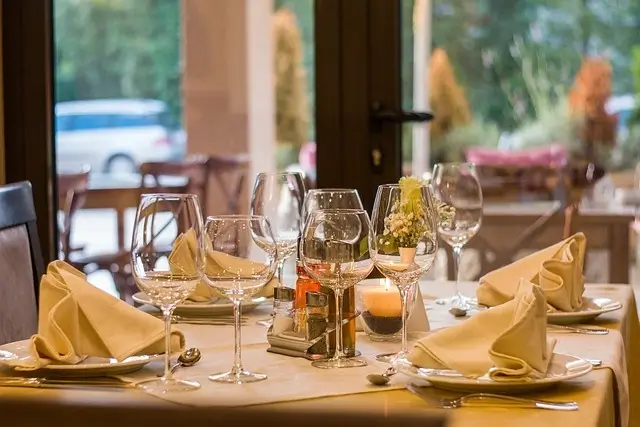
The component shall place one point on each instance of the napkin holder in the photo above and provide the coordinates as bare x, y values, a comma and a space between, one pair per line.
288, 342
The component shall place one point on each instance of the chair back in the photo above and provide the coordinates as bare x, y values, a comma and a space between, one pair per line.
230, 172
20, 262
72, 187
195, 168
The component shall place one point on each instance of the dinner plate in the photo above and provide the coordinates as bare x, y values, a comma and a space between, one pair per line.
89, 367
591, 308
561, 368
199, 309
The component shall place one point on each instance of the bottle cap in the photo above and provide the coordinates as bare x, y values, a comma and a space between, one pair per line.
317, 299
284, 294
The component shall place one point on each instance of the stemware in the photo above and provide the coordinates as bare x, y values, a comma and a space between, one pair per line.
334, 250
162, 222
458, 185
404, 241
242, 269
330, 198
279, 197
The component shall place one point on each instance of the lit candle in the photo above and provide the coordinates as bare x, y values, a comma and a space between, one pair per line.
383, 300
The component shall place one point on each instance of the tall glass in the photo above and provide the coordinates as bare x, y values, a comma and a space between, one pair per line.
279, 197
241, 270
404, 240
162, 221
334, 250
331, 198
458, 185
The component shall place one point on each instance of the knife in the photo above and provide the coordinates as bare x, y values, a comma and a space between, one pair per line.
108, 382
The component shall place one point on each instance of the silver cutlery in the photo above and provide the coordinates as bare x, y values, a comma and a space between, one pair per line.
106, 382
486, 399
579, 329
383, 378
189, 357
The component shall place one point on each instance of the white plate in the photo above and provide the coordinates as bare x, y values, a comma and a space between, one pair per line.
562, 367
89, 367
196, 309
591, 308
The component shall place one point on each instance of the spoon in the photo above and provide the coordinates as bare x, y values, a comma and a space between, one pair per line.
190, 357
382, 379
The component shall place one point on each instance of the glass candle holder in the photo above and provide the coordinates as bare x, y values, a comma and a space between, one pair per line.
379, 302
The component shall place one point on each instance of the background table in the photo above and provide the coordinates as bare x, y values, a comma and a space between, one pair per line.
594, 392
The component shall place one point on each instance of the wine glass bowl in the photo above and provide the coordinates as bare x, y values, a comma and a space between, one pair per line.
458, 186
404, 241
164, 267
239, 271
331, 198
334, 250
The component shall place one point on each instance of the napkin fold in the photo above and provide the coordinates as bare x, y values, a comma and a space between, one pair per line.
556, 269
77, 320
182, 258
506, 342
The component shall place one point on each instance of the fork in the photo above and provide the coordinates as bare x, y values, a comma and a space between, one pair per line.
486, 399
579, 329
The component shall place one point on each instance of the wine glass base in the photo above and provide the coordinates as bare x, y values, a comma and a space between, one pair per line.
237, 377
267, 323
390, 357
162, 386
458, 300
351, 362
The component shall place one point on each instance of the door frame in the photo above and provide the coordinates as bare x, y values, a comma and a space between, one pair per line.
366, 35
27, 78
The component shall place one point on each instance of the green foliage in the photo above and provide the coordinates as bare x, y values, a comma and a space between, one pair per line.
118, 49
450, 148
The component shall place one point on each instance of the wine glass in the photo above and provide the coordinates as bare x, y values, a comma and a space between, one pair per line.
162, 221
403, 241
241, 270
458, 185
330, 198
334, 250
279, 197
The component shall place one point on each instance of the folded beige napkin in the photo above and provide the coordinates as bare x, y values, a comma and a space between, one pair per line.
77, 320
556, 269
182, 258
508, 341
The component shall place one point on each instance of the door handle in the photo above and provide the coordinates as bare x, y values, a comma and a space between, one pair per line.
381, 115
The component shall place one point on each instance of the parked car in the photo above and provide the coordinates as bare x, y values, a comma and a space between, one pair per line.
115, 135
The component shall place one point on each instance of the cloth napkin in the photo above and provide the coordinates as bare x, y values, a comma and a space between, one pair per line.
556, 269
77, 320
182, 258
506, 342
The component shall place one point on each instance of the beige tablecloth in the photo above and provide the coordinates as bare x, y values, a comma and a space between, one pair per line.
294, 384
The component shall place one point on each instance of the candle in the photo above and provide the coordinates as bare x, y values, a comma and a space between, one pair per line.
383, 300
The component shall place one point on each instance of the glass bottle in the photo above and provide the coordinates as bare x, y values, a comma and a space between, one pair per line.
316, 315
349, 329
304, 284
283, 311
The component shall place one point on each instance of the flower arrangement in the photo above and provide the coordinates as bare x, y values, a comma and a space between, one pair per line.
405, 225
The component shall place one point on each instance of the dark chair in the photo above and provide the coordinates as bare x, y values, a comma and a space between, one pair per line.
21, 263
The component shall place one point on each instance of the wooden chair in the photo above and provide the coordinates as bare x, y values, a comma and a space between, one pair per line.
230, 172
72, 188
21, 263
196, 168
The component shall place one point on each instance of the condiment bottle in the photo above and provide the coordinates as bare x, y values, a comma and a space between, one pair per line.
304, 284
317, 312
348, 329
283, 303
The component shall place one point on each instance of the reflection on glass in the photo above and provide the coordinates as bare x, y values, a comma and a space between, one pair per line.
331, 198
162, 222
241, 260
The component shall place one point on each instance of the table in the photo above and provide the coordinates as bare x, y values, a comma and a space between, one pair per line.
593, 392
508, 228
122, 191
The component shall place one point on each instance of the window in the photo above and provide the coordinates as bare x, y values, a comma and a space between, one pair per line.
89, 121
133, 120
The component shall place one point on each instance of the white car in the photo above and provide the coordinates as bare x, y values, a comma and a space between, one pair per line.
114, 135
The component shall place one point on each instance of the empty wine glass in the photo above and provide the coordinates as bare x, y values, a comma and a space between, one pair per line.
279, 197
458, 185
330, 198
403, 241
240, 271
334, 250
162, 220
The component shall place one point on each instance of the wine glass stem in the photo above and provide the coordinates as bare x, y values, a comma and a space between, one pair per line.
280, 267
404, 298
338, 292
457, 255
237, 348
167, 314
